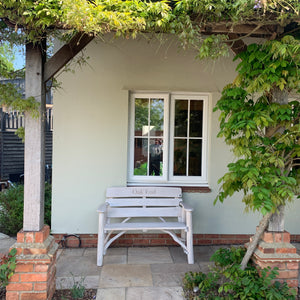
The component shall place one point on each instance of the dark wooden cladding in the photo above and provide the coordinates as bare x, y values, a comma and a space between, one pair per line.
12, 153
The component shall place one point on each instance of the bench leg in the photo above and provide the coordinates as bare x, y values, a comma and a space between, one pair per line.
101, 237
189, 238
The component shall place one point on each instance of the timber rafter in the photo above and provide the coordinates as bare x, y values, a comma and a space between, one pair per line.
65, 54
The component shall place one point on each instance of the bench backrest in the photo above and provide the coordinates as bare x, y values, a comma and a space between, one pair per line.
143, 202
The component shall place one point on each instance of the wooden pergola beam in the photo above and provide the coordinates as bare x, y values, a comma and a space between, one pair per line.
65, 54
236, 44
243, 29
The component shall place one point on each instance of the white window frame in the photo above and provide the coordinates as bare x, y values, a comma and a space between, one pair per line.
169, 110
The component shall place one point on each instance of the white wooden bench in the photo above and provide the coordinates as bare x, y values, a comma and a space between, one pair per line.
137, 209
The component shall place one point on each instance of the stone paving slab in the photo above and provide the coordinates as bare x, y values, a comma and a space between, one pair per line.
115, 260
173, 268
201, 253
117, 251
89, 282
125, 276
90, 252
149, 255
111, 293
154, 293
68, 265
5, 243
71, 252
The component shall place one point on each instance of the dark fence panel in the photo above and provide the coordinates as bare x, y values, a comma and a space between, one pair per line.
14, 120
12, 154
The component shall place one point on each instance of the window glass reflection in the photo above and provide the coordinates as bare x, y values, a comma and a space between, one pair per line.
140, 156
180, 157
156, 117
141, 116
195, 155
156, 157
181, 118
196, 116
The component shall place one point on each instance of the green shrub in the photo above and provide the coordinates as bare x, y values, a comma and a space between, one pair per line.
7, 267
227, 281
11, 209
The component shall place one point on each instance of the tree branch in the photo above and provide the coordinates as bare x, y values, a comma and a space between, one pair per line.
253, 244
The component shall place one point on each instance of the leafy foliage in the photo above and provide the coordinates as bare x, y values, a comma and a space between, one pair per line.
34, 21
12, 204
78, 288
227, 281
262, 127
7, 267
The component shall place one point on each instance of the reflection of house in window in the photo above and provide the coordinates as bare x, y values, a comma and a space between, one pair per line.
174, 126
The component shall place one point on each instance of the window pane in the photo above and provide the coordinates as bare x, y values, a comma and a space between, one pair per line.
181, 118
140, 156
156, 157
195, 155
141, 117
156, 117
180, 157
196, 117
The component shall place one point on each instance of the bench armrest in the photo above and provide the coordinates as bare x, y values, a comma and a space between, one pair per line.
186, 207
102, 208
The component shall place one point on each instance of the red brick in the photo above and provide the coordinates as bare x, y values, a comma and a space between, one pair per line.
204, 242
41, 236
15, 278
19, 251
292, 266
12, 296
286, 250
266, 250
286, 237
279, 265
40, 286
20, 236
19, 287
126, 242
292, 282
287, 274
277, 237
34, 296
34, 251
212, 236
33, 277
29, 237
268, 237
158, 241
22, 268
141, 242
41, 268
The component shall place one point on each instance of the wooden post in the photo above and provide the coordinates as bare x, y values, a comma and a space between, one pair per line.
34, 276
34, 153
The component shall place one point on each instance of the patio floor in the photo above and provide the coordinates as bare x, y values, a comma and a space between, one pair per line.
144, 273
131, 273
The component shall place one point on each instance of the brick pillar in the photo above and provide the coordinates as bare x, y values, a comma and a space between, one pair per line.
34, 277
275, 250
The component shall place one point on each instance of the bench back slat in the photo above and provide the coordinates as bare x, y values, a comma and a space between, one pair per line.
152, 192
143, 202
117, 212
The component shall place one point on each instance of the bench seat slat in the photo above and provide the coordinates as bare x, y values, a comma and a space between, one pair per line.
145, 226
140, 201
124, 212
114, 192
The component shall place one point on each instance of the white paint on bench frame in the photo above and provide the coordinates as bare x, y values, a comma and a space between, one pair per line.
144, 203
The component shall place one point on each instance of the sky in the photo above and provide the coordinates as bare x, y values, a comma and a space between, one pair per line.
19, 62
